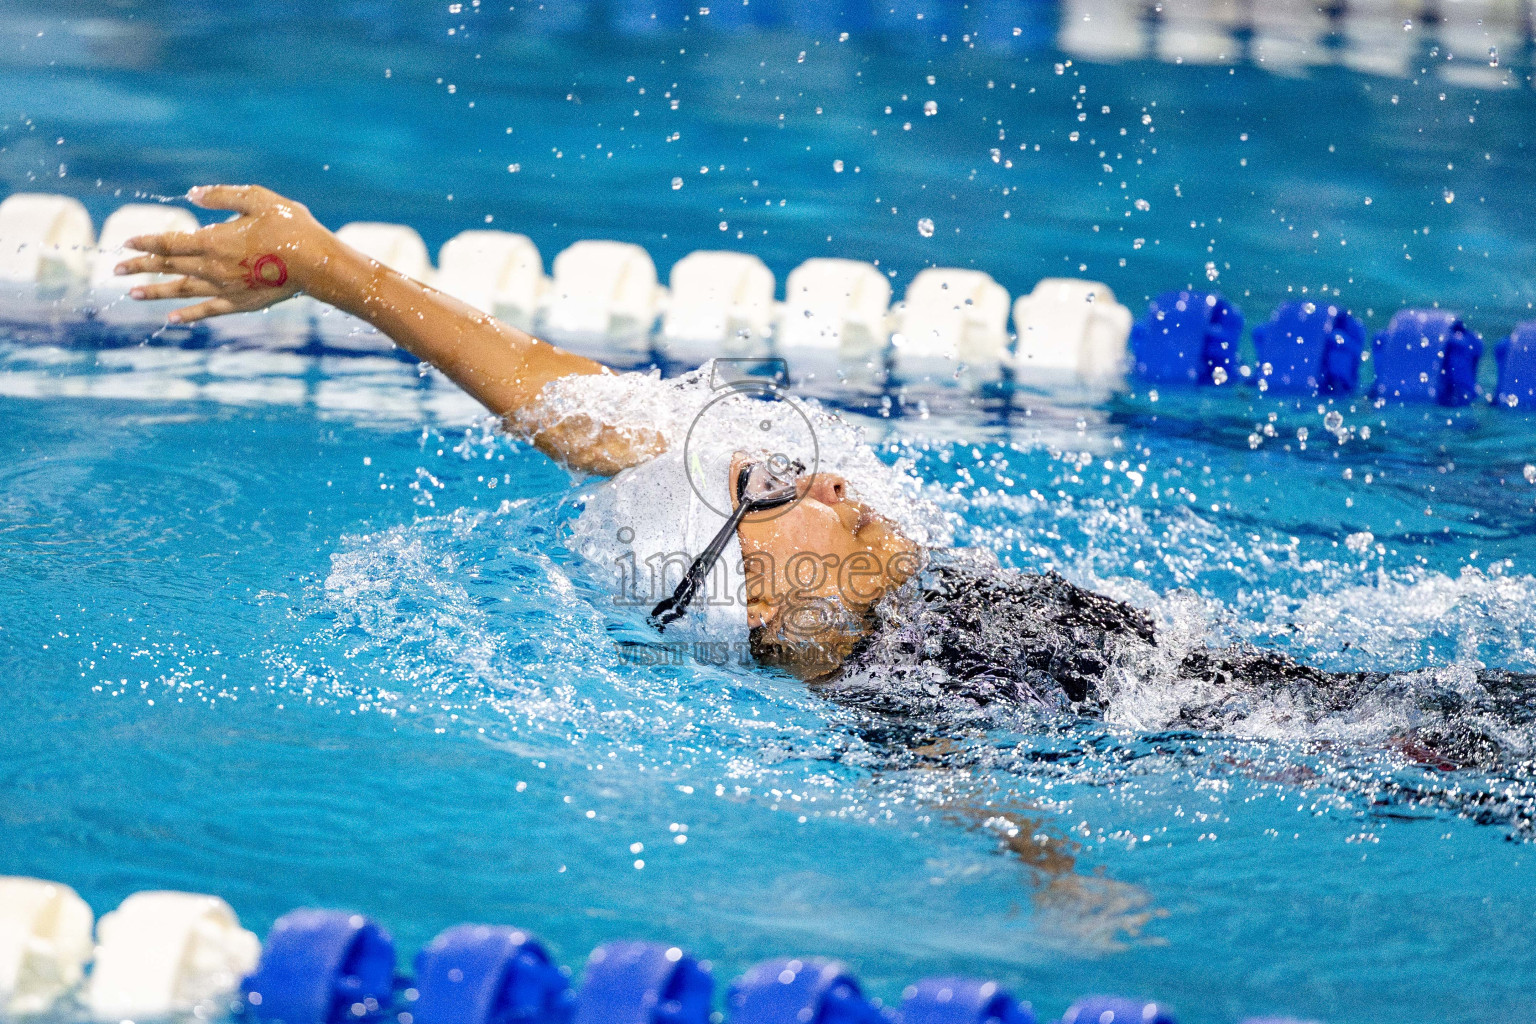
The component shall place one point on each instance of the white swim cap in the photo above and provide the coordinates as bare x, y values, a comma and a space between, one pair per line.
643, 529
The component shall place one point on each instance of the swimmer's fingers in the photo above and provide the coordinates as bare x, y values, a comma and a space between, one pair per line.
154, 264
203, 310
172, 243
249, 199
181, 288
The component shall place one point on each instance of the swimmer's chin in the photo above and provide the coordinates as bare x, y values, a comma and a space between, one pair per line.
814, 660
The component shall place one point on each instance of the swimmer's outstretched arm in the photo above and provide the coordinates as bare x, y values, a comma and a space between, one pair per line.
274, 248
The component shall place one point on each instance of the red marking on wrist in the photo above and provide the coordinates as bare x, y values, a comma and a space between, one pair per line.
265, 271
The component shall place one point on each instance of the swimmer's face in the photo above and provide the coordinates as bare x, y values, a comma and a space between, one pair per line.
818, 566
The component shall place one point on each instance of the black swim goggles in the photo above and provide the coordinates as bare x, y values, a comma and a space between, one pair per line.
760, 486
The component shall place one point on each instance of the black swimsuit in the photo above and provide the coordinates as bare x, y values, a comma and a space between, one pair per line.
993, 636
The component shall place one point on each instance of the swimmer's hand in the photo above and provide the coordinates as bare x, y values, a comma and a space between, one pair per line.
264, 254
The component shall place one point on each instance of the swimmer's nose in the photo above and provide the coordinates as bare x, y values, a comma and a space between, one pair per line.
827, 488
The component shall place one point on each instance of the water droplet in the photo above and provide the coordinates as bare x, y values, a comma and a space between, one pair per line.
930, 108
1530, 473
1211, 273
1407, 24
1218, 375
1334, 420
837, 165
1361, 542
723, 225
1143, 205
677, 183
1061, 69
1146, 118
1493, 56
1450, 196
925, 227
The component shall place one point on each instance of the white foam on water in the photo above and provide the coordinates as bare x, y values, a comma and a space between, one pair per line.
475, 619
1429, 633
1397, 622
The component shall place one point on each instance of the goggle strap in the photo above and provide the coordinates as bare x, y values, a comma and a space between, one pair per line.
670, 609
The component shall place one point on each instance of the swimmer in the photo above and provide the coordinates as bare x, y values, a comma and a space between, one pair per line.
762, 528
744, 545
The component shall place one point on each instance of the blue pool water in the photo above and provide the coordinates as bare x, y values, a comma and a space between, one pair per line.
295, 630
